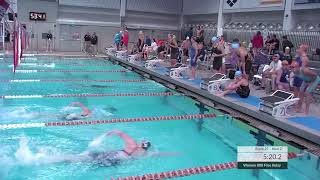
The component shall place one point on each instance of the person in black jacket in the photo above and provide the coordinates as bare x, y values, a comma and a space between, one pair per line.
286, 43
49, 41
94, 43
7, 41
87, 42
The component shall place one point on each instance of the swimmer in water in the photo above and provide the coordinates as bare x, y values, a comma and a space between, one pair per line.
74, 116
131, 150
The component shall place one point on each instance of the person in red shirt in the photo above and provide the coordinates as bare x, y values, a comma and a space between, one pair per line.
125, 37
257, 42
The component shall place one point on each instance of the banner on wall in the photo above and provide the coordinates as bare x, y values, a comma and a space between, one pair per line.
247, 4
269, 2
4, 5
306, 1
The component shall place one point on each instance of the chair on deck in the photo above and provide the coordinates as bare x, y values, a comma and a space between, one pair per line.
121, 54
111, 51
151, 64
257, 79
277, 103
213, 83
177, 70
133, 58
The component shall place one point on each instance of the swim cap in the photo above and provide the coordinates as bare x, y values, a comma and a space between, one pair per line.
71, 117
238, 74
214, 38
235, 45
145, 144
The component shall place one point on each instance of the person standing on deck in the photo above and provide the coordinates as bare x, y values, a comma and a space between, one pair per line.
94, 44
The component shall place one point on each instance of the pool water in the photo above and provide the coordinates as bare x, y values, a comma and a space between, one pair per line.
38, 153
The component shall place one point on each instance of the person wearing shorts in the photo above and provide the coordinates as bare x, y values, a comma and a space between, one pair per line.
193, 51
310, 82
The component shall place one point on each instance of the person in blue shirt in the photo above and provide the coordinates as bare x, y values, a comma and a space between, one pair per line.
117, 40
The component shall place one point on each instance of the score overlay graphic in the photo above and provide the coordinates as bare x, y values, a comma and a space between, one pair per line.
262, 157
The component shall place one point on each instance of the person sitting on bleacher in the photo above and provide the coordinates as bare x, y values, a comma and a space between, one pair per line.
287, 55
240, 85
271, 73
283, 77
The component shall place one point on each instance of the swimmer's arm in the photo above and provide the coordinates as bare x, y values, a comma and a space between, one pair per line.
85, 110
129, 142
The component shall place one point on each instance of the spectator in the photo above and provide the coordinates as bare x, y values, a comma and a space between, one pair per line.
257, 43
87, 42
161, 49
189, 33
268, 41
244, 56
200, 33
125, 37
117, 40
283, 76
217, 55
94, 43
310, 82
7, 41
316, 51
222, 42
231, 59
271, 73
193, 57
275, 43
286, 43
268, 44
140, 43
148, 41
185, 46
240, 85
174, 49
286, 56
201, 51
49, 41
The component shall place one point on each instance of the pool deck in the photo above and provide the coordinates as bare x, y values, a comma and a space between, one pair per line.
291, 131
237, 104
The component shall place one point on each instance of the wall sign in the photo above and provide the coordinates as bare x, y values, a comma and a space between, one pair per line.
231, 2
38, 16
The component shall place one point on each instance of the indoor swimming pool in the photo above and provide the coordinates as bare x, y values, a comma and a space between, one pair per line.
112, 92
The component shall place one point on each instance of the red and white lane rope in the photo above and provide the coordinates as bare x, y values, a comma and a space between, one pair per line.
64, 70
68, 80
54, 64
96, 122
190, 171
86, 95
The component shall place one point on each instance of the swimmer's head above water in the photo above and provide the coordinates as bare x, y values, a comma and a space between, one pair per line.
145, 144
